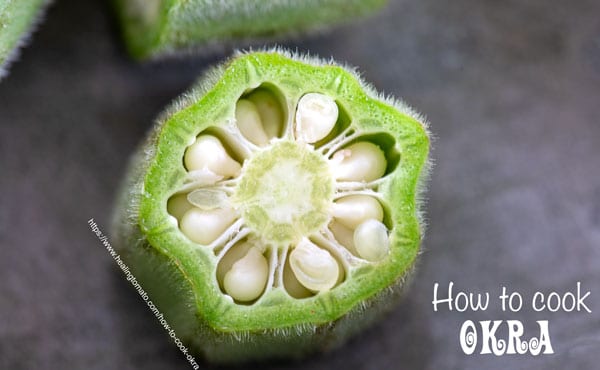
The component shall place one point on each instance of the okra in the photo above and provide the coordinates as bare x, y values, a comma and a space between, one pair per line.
274, 210
17, 19
155, 28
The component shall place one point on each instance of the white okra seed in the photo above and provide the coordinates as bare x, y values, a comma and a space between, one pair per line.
352, 210
246, 279
178, 205
249, 122
207, 199
234, 254
371, 240
269, 110
314, 267
207, 152
362, 161
204, 226
344, 235
316, 116
292, 285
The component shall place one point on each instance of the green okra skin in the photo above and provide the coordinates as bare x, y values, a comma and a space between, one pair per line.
154, 28
17, 19
274, 209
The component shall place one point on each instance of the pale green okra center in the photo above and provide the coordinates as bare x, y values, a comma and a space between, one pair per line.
284, 193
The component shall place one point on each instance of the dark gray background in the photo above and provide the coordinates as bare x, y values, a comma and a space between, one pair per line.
512, 90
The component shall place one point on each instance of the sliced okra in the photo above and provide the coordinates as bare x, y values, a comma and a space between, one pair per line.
280, 200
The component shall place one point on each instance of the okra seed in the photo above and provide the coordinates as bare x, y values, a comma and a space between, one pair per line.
178, 205
314, 267
371, 240
207, 152
208, 199
352, 210
344, 235
316, 116
246, 279
269, 110
234, 254
203, 227
291, 284
362, 161
249, 122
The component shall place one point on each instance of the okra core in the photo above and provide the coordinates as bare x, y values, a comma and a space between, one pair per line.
284, 203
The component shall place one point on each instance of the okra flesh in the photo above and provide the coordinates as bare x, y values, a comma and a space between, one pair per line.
274, 208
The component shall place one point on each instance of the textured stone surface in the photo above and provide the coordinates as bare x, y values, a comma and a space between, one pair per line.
512, 91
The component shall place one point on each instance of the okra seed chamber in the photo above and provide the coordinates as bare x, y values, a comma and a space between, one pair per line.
274, 209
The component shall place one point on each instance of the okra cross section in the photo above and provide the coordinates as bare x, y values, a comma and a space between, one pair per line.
275, 205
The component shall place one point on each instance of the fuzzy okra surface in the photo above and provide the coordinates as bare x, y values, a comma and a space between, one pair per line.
154, 28
17, 18
273, 210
